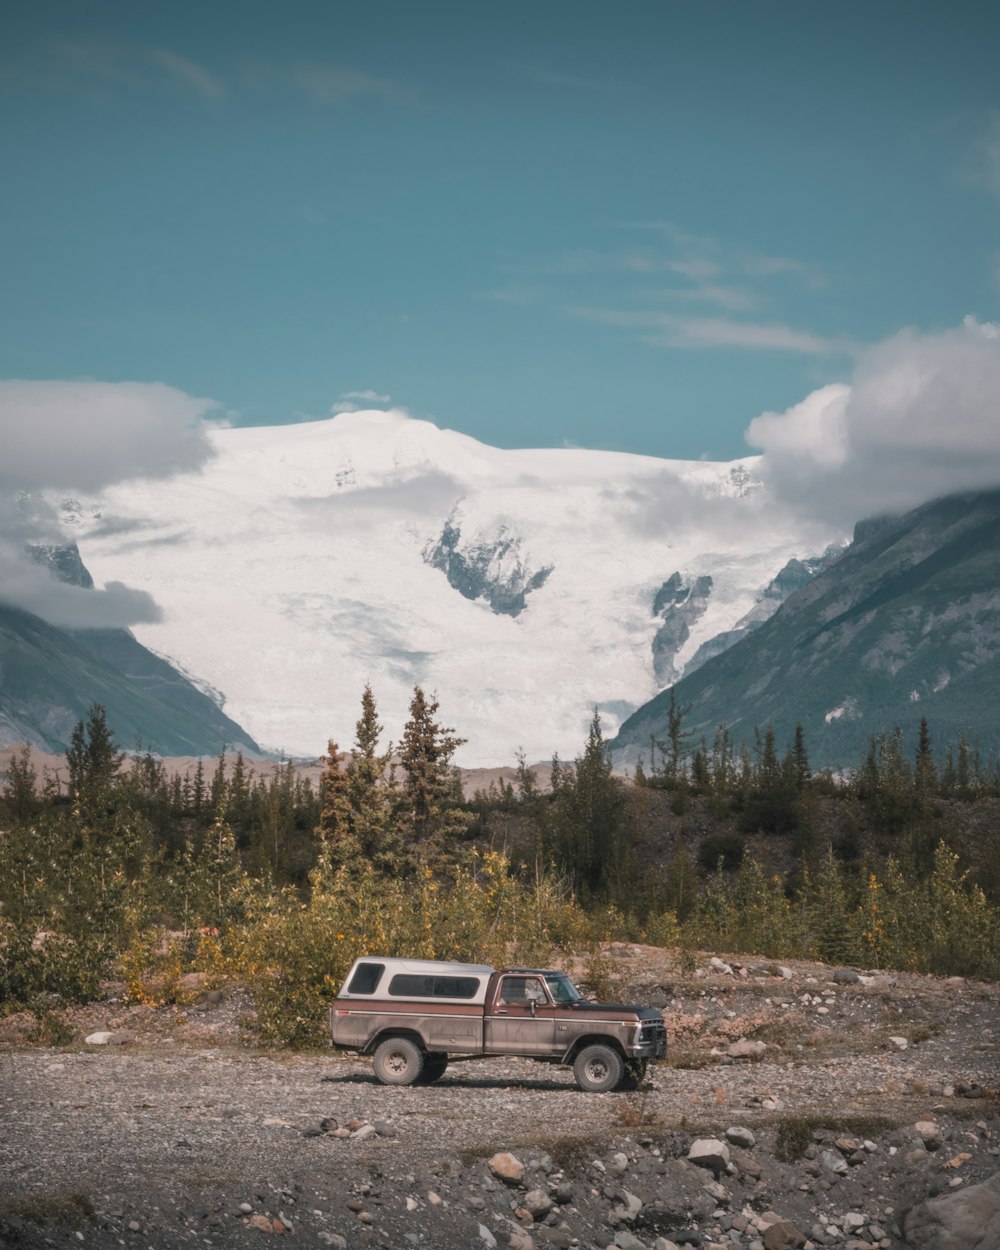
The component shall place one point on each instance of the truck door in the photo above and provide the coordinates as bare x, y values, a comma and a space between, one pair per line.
521, 1020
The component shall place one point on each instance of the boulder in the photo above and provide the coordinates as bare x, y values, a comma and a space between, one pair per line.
783, 1236
507, 1168
965, 1220
709, 1152
746, 1049
740, 1135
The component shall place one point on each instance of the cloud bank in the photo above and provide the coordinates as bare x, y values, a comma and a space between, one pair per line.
69, 436
921, 419
86, 435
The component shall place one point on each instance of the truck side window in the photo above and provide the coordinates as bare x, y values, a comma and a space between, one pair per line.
517, 991
406, 985
366, 978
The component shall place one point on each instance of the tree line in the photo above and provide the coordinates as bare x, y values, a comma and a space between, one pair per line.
121, 869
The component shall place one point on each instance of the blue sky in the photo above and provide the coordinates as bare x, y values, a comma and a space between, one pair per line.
635, 226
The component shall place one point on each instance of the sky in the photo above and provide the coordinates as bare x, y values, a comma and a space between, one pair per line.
681, 229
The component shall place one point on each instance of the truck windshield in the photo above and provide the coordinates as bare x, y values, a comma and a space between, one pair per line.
562, 988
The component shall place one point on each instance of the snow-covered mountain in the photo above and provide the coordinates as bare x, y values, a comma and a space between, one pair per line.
522, 586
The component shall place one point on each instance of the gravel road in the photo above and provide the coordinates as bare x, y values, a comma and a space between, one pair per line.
165, 1141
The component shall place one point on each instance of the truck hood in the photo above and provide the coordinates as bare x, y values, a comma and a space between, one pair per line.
642, 1013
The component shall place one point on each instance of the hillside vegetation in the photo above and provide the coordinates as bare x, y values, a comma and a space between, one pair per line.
123, 873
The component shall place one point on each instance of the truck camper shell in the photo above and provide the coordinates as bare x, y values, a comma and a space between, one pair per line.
389, 979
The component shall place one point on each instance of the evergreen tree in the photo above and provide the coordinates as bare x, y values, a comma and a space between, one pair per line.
430, 795
593, 823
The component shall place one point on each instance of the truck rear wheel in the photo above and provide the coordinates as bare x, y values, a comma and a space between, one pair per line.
598, 1069
435, 1066
398, 1061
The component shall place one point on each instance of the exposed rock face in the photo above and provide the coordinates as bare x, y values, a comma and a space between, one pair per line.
680, 603
967, 1220
498, 571
64, 562
903, 624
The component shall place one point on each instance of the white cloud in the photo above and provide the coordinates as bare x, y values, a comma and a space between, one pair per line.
68, 436
85, 65
320, 82
671, 330
85, 435
920, 420
30, 587
355, 401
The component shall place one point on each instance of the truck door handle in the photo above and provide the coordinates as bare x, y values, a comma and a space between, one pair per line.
501, 1011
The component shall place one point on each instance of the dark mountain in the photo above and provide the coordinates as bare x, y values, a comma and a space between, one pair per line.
904, 623
50, 677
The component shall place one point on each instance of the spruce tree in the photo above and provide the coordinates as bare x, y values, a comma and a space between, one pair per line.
430, 796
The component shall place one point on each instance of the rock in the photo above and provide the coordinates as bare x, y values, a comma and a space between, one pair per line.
833, 1162
121, 1037
853, 1221
717, 965
739, 1135
245, 1208
900, 1043
969, 1220
845, 976
709, 1152
333, 1239
101, 1038
629, 1208
930, 1134
538, 1202
487, 1238
518, 1239
746, 1049
384, 1128
364, 1132
783, 1236
261, 1222
664, 1243
625, 1240
506, 1167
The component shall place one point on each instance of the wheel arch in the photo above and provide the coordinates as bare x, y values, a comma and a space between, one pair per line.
594, 1039
384, 1035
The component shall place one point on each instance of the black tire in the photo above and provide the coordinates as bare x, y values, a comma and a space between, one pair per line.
635, 1074
598, 1069
398, 1061
435, 1067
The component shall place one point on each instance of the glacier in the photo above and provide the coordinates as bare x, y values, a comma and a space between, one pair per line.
517, 585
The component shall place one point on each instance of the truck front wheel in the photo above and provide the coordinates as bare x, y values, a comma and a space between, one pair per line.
598, 1069
398, 1061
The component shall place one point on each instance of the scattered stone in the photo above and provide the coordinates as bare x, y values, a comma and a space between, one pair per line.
538, 1202
260, 1222
245, 1208
930, 1134
783, 1236
487, 1238
833, 1162
969, 1220
709, 1152
717, 965
845, 976
364, 1132
739, 1135
101, 1038
746, 1049
625, 1240
900, 1043
506, 1168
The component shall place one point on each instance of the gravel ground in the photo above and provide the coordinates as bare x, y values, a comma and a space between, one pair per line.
183, 1137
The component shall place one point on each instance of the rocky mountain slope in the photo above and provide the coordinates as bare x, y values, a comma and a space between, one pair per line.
904, 624
50, 677
523, 587
801, 1105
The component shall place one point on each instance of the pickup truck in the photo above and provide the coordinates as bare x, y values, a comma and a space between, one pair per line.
413, 1015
